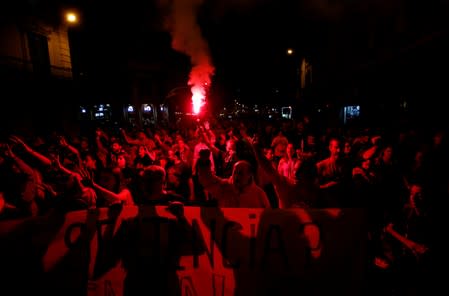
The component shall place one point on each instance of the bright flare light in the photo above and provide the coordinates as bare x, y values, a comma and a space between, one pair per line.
198, 98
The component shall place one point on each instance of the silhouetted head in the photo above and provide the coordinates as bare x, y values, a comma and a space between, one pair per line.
242, 175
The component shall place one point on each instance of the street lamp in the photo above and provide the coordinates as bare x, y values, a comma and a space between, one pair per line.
303, 75
70, 23
71, 17
297, 82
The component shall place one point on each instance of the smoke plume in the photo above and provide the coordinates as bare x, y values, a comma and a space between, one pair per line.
187, 38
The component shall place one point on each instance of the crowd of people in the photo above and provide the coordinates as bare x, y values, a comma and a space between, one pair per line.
397, 176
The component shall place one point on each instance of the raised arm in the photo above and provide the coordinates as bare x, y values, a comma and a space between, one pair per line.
283, 185
123, 196
128, 139
30, 189
64, 144
41, 158
416, 248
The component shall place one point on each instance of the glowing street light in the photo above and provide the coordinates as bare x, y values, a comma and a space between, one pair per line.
289, 51
71, 17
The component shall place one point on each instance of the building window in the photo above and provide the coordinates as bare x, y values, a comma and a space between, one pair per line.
40, 58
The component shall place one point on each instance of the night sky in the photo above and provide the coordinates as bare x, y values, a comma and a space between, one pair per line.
345, 40
354, 46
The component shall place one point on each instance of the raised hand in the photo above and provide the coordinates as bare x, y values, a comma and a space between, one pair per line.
16, 140
63, 142
176, 208
418, 249
8, 152
86, 177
